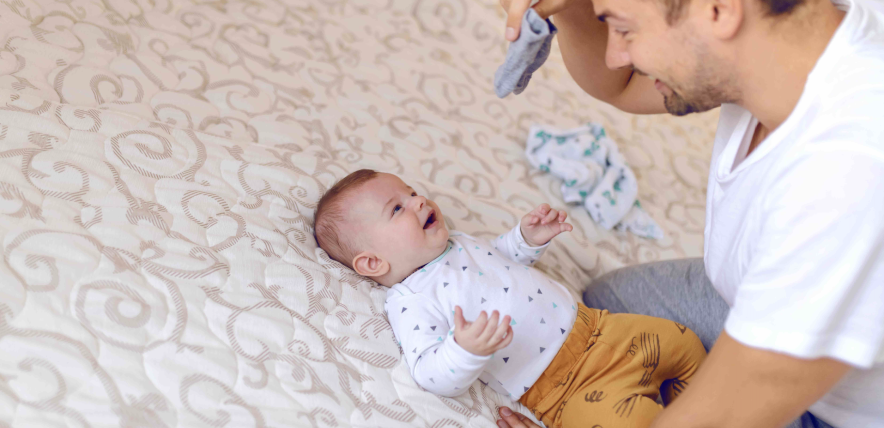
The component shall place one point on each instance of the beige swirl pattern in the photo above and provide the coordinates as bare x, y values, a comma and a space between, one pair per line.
160, 162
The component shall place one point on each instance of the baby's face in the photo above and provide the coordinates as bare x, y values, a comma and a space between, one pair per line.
405, 229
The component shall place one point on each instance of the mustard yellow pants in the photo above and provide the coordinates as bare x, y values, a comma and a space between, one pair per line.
611, 370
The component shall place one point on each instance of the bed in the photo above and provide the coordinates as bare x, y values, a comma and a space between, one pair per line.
160, 162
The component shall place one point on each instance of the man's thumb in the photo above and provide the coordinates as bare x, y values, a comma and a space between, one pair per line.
514, 18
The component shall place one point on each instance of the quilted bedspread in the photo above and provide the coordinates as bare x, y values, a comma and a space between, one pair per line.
160, 162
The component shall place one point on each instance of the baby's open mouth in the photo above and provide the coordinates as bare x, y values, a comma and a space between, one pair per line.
430, 220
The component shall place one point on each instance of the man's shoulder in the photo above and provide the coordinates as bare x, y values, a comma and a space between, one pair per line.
857, 77
850, 102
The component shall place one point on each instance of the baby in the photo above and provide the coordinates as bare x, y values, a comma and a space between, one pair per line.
464, 309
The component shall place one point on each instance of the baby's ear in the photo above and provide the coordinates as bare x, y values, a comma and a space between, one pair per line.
370, 264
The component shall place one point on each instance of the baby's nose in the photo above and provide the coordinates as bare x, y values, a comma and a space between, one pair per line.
419, 202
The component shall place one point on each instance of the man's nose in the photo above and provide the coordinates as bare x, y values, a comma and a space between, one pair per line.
616, 56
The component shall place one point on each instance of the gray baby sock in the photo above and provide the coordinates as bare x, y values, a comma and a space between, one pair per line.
525, 55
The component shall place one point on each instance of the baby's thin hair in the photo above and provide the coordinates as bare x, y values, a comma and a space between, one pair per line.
330, 215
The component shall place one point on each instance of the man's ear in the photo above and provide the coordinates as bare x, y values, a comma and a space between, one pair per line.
725, 17
370, 264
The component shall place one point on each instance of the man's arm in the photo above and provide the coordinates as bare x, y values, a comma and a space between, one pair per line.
741, 386
738, 386
583, 41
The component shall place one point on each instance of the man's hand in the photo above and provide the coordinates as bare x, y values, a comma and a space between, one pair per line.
483, 336
510, 419
543, 224
515, 9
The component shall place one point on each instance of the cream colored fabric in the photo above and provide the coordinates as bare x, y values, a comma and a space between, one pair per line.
159, 166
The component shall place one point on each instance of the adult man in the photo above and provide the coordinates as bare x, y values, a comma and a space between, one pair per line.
794, 240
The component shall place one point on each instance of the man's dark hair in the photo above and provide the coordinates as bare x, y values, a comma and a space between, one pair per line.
675, 8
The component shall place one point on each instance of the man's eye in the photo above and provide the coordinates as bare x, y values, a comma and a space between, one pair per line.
397, 208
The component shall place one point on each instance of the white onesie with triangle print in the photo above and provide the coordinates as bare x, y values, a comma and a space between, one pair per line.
478, 275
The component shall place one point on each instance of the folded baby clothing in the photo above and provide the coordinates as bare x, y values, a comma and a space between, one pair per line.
594, 174
525, 55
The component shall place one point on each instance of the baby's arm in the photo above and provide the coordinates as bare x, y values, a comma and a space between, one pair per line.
539, 226
437, 363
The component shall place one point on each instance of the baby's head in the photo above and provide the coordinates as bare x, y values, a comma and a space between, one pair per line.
379, 226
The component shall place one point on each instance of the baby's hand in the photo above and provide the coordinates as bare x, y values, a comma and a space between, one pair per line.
543, 224
483, 336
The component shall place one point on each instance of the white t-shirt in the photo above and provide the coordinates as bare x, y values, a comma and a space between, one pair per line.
478, 275
795, 231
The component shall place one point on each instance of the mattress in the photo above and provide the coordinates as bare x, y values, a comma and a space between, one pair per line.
160, 162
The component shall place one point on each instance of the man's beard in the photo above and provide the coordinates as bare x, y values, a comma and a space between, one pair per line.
708, 93
677, 105
709, 89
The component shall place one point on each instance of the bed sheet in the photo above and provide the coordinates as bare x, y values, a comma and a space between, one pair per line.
160, 162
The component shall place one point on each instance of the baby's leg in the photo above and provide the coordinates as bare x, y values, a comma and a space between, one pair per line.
647, 356
599, 406
685, 356
662, 355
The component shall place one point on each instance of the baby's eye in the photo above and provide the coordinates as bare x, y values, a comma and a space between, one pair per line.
396, 208
413, 193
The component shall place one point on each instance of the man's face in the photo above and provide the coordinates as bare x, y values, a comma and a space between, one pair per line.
393, 221
679, 59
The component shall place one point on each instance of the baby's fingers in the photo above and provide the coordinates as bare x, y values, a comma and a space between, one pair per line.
550, 216
459, 322
501, 329
562, 216
533, 220
565, 227
488, 333
479, 324
506, 341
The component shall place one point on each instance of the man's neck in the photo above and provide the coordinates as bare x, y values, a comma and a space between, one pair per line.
777, 62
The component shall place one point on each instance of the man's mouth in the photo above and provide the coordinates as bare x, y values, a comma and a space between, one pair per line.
431, 220
662, 87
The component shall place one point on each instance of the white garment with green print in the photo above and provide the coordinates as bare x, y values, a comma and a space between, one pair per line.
479, 275
594, 174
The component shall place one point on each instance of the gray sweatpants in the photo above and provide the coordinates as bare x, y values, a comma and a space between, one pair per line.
677, 290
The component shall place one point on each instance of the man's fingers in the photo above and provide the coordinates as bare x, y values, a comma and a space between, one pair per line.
513, 420
514, 18
547, 8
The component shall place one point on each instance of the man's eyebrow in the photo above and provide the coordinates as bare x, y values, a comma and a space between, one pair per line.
604, 15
